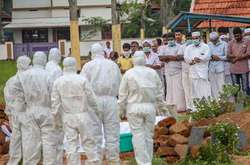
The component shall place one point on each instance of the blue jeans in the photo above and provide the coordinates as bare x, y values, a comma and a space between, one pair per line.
242, 81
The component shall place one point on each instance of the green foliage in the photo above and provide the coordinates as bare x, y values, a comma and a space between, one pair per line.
210, 154
155, 161
8, 69
219, 151
202, 162
206, 108
229, 97
226, 136
97, 24
214, 153
229, 91
182, 5
132, 14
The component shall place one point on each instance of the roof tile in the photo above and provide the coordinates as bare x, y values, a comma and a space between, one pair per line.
224, 7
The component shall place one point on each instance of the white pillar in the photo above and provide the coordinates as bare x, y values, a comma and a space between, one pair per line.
17, 36
50, 35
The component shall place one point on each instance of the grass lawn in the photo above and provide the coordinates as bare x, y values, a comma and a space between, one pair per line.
7, 69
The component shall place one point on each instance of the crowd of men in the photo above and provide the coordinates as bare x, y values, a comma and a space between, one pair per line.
45, 103
190, 68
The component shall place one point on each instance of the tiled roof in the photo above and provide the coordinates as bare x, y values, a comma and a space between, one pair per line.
224, 7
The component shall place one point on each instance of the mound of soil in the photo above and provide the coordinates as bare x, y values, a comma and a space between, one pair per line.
241, 119
241, 160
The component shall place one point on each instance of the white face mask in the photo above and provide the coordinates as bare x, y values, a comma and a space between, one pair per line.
196, 42
126, 54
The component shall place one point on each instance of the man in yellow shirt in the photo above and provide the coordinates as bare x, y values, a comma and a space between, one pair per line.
125, 60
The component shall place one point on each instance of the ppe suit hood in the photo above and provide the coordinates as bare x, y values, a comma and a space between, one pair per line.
39, 58
97, 50
55, 55
69, 64
23, 63
139, 58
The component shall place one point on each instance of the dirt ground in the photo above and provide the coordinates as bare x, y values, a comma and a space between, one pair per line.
123, 156
241, 160
241, 119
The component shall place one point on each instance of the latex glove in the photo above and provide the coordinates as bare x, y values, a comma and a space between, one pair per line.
57, 122
166, 110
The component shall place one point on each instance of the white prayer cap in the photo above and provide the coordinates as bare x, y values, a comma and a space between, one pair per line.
214, 36
196, 34
147, 41
246, 31
224, 37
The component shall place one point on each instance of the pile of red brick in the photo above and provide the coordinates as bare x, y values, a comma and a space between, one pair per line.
4, 143
171, 139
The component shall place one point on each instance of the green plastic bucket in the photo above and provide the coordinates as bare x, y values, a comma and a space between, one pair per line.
126, 143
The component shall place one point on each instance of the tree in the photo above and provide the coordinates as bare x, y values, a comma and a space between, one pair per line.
131, 14
1, 24
137, 15
97, 24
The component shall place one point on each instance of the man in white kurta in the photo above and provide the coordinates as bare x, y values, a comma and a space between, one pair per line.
175, 92
152, 60
228, 79
198, 56
186, 81
218, 51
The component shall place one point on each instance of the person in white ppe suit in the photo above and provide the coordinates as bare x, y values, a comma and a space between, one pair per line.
140, 95
10, 92
197, 56
52, 66
38, 133
105, 76
218, 51
73, 98
55, 72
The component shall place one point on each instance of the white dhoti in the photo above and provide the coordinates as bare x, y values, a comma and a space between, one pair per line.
175, 92
217, 81
200, 88
186, 83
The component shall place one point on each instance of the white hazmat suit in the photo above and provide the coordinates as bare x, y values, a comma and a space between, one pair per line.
140, 94
104, 76
73, 97
39, 134
11, 92
55, 72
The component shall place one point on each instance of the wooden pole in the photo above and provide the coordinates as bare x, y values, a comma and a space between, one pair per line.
164, 16
1, 24
116, 28
74, 32
142, 29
